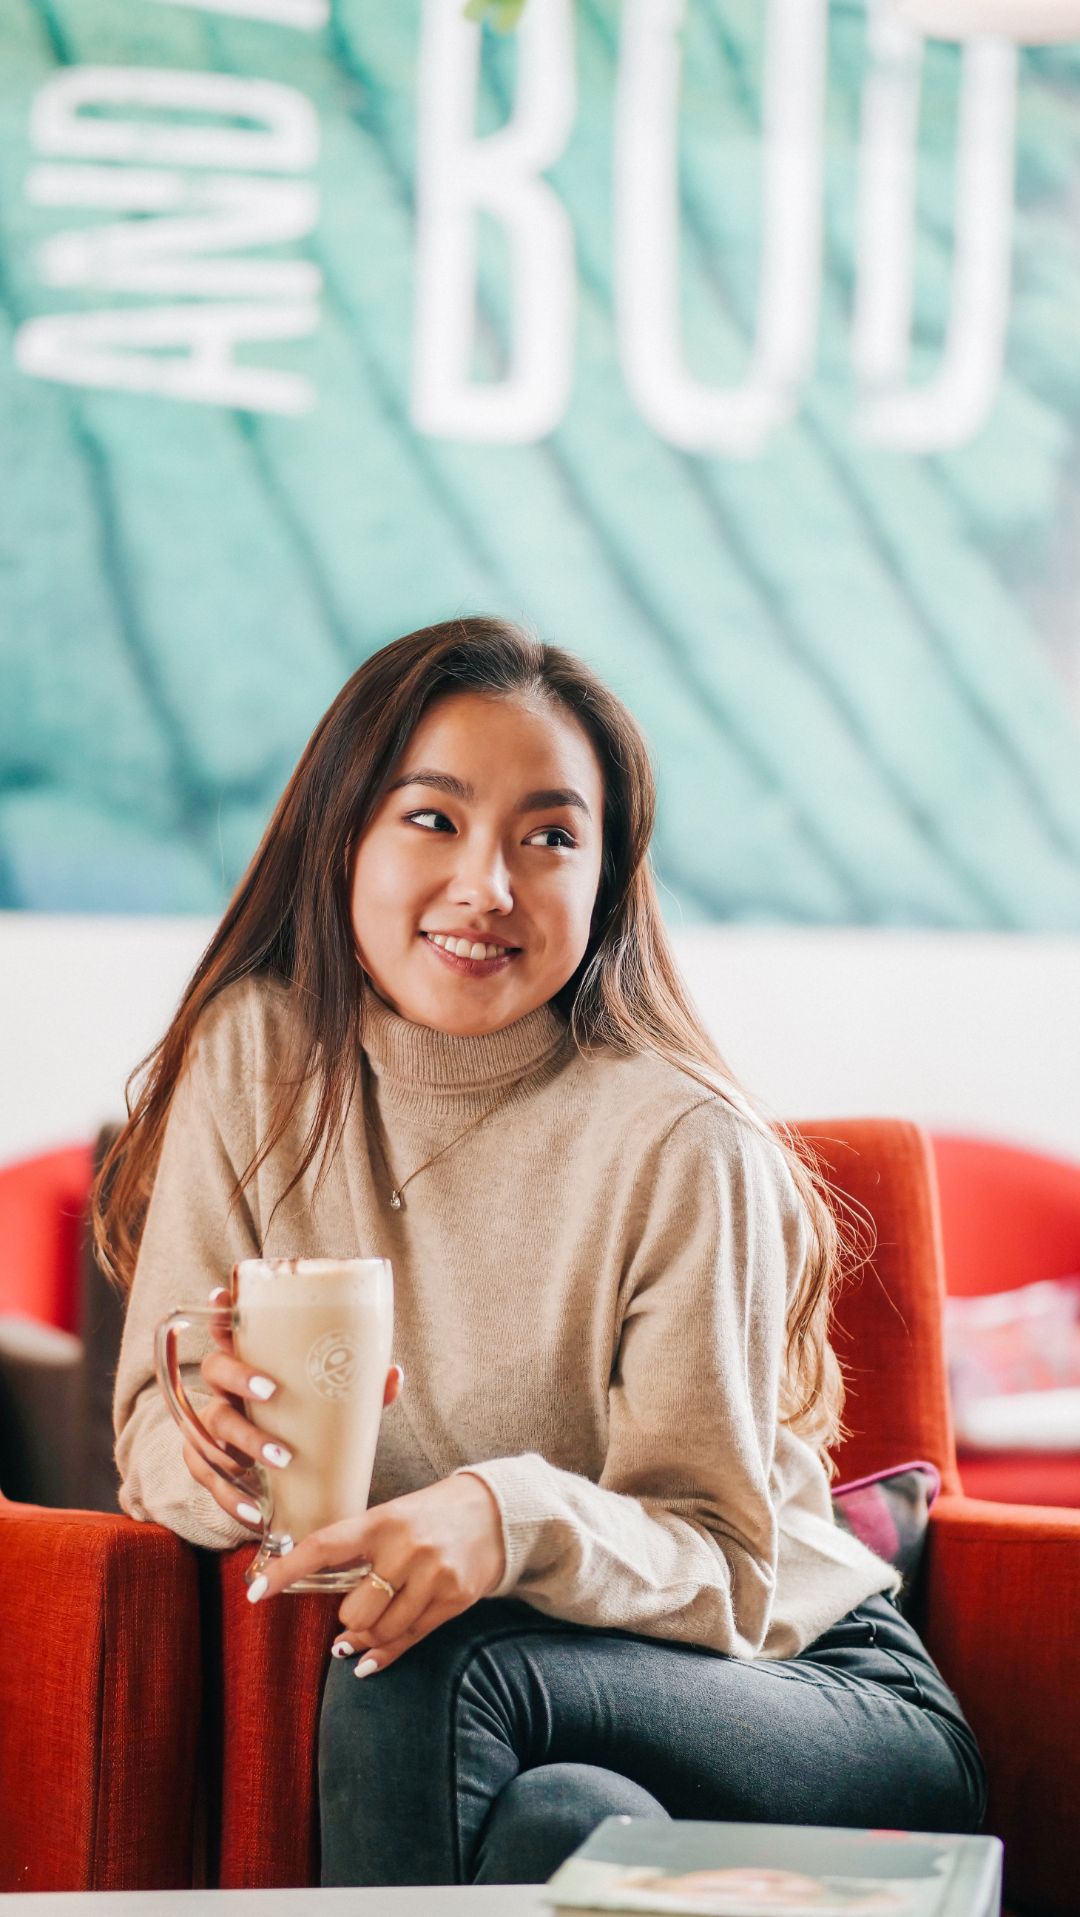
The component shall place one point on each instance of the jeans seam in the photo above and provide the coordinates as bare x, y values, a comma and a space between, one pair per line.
831, 1681
864, 1686
944, 1723
906, 1664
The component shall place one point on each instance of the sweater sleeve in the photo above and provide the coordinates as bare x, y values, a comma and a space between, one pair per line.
191, 1239
679, 1538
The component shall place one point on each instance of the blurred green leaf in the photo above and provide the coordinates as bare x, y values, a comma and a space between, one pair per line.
503, 15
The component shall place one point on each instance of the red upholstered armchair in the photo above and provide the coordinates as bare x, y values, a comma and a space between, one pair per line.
997, 1604
42, 1202
1009, 1217
100, 1676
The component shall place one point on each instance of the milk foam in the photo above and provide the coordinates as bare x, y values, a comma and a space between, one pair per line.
322, 1328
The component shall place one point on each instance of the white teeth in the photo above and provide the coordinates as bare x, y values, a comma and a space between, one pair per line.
463, 948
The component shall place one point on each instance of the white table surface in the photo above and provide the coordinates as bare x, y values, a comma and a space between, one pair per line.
421, 1900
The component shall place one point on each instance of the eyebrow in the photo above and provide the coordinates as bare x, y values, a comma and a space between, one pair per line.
458, 789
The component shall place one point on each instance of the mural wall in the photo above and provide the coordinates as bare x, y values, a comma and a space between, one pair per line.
733, 345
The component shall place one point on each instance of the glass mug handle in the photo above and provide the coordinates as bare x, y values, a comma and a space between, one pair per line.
253, 1482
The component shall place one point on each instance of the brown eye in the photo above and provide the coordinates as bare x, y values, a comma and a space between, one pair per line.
411, 816
567, 842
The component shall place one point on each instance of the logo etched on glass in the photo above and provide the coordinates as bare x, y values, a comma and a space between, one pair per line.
331, 1364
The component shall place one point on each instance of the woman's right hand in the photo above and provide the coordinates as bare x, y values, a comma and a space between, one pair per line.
238, 1442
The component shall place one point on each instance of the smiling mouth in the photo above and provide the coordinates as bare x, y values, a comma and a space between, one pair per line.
470, 951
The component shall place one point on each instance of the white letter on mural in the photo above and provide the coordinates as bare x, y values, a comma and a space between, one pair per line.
461, 176
308, 15
161, 256
181, 352
702, 418
949, 409
284, 139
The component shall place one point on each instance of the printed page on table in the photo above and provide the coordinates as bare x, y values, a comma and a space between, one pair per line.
738, 1870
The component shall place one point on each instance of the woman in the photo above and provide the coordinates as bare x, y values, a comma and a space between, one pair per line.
440, 1021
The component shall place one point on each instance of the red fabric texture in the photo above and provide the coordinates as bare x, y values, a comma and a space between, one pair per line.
1023, 1477
42, 1207
887, 1330
99, 1702
1010, 1217
267, 1687
1002, 1601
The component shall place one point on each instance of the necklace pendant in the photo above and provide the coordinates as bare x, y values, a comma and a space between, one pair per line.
395, 1201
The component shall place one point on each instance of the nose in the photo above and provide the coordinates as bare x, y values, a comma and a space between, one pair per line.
482, 881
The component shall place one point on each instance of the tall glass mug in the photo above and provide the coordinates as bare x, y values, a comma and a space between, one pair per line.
322, 1328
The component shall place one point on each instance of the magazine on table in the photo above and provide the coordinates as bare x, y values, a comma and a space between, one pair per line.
700, 1869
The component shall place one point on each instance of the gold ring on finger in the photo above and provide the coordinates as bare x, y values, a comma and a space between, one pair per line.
380, 1583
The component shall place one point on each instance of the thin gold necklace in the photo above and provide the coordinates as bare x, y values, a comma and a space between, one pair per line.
396, 1201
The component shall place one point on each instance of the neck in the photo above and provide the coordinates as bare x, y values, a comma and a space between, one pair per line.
419, 1066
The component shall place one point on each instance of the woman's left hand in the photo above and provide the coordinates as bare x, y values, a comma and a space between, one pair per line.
441, 1548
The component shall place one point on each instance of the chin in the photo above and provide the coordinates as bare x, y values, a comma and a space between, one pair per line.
486, 1013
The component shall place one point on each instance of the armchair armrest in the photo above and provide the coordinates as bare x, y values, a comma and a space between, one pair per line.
99, 1702
268, 1664
1002, 1621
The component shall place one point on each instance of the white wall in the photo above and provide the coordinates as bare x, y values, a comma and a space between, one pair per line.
962, 1031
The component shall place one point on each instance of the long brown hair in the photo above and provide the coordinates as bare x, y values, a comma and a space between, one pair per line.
289, 920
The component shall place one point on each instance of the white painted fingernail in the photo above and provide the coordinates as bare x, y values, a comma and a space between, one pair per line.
342, 1650
250, 1513
219, 1291
365, 1667
260, 1387
257, 1589
277, 1454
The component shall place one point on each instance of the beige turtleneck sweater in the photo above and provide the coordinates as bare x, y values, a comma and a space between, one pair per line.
590, 1295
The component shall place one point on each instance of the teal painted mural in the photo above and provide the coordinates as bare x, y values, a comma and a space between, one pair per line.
736, 346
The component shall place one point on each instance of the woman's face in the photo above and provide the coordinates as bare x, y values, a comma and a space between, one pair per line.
490, 832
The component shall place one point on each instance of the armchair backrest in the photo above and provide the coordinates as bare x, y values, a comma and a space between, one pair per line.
42, 1211
887, 1329
1009, 1215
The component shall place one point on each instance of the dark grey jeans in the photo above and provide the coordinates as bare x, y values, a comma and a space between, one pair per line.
493, 1747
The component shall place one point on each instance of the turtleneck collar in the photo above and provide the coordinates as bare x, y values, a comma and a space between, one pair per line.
422, 1067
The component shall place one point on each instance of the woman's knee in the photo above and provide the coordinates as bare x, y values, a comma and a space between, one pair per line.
357, 1712
544, 1814
411, 1694
390, 1779
446, 1709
